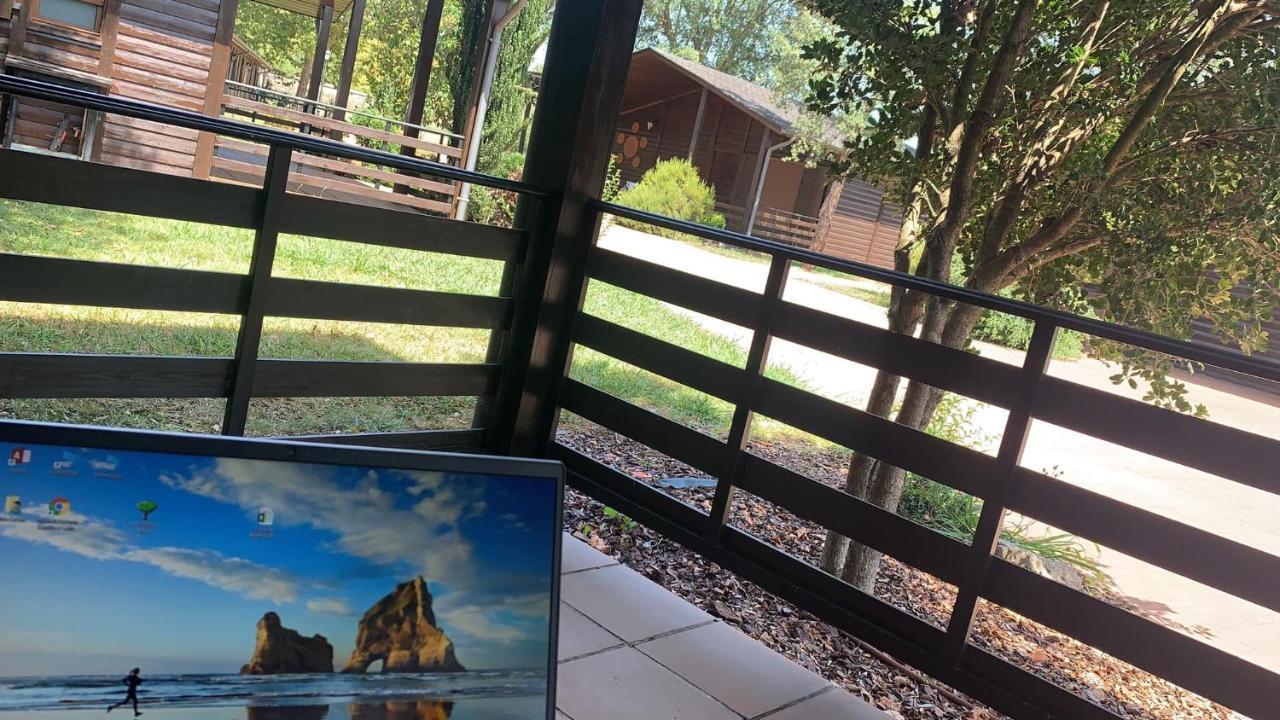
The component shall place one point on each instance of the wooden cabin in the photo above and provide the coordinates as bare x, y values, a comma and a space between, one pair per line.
727, 127
184, 54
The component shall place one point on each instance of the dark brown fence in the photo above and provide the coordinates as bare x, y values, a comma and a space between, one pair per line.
258, 294
1000, 481
548, 322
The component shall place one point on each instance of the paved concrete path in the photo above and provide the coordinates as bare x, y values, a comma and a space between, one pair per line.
630, 650
1206, 501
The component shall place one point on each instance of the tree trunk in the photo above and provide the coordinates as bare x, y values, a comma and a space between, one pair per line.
880, 483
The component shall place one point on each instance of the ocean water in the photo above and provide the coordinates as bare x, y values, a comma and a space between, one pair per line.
176, 691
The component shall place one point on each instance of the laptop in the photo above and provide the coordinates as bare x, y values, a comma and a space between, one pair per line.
200, 578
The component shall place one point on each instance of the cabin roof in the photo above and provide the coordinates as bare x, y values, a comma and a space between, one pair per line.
650, 80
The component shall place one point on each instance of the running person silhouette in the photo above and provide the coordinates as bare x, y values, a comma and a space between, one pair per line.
131, 683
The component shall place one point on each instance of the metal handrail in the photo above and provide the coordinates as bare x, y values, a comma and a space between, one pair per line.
1197, 352
244, 87
27, 87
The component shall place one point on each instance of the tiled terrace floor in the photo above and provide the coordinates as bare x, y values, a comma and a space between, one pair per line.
630, 650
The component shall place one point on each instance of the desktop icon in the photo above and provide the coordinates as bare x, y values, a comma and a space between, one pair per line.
266, 516
59, 506
19, 456
66, 465
146, 507
105, 466
13, 505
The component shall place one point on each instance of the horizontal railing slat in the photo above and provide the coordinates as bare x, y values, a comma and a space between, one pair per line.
27, 87
1199, 352
74, 183
733, 304
942, 367
660, 510
1180, 659
711, 376
1184, 439
28, 278
1188, 551
904, 636
323, 378
648, 428
287, 297
83, 375
853, 518
866, 617
317, 217
66, 375
959, 467
452, 440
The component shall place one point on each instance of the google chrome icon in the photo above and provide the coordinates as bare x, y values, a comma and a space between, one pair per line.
59, 506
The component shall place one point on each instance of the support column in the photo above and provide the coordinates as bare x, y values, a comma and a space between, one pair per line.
219, 62
422, 67
348, 69
697, 124
324, 24
588, 56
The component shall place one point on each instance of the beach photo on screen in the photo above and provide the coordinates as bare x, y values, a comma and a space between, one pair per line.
213, 588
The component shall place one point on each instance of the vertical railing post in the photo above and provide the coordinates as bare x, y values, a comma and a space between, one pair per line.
1017, 428
588, 56
740, 428
264, 255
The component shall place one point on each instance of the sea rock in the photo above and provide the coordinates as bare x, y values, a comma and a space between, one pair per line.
401, 631
280, 650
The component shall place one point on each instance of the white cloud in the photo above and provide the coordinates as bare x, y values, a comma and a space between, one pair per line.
364, 517
100, 540
330, 606
481, 624
228, 573
508, 619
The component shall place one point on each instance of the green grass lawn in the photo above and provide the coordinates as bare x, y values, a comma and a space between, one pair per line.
35, 229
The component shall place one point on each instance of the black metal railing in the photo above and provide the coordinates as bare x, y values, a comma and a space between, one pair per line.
254, 295
1000, 481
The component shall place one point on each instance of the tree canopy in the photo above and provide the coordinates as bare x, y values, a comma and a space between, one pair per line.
1128, 146
733, 36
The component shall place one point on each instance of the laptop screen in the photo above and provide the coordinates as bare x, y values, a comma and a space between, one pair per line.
224, 587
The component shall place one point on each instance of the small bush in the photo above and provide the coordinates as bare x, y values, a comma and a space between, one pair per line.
672, 188
952, 513
1013, 331
496, 207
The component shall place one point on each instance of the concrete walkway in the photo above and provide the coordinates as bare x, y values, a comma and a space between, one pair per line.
1222, 507
630, 650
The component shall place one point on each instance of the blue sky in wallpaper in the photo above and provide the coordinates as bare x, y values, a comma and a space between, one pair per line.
97, 588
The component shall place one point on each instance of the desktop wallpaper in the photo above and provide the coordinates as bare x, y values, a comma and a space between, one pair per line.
214, 576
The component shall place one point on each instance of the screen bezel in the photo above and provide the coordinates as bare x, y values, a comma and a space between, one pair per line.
87, 436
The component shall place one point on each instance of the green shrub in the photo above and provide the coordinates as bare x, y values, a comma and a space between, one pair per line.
955, 514
1013, 331
496, 207
672, 188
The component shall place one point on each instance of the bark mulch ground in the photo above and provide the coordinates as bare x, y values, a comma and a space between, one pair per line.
882, 681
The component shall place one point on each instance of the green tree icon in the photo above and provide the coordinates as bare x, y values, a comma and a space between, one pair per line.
146, 507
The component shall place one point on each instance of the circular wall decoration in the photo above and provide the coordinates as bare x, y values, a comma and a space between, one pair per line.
632, 143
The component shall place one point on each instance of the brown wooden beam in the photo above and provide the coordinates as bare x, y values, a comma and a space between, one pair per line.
324, 24
588, 55
421, 76
697, 124
348, 69
218, 64
422, 66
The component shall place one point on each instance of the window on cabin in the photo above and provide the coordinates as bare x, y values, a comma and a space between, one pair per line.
75, 13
